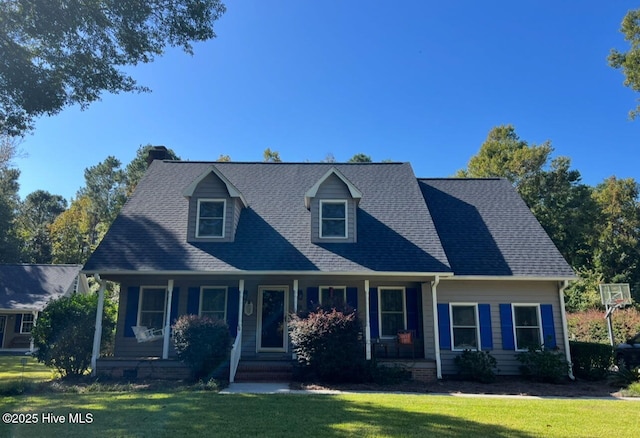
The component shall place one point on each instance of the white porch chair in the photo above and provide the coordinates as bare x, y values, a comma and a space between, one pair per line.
144, 334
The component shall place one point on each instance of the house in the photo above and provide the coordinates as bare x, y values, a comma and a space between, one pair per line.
460, 263
24, 291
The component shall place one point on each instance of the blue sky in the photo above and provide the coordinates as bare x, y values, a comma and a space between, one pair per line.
418, 81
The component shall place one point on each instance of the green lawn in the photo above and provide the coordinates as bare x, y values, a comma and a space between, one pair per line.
188, 412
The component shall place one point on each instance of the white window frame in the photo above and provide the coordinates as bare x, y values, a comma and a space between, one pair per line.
140, 301
226, 299
346, 217
516, 327
32, 321
476, 326
224, 218
344, 292
380, 311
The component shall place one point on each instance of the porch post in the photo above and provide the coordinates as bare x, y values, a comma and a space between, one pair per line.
35, 321
240, 305
295, 306
167, 324
367, 325
436, 330
97, 334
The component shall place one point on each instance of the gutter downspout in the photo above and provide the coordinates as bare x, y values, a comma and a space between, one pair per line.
97, 335
167, 324
436, 330
565, 330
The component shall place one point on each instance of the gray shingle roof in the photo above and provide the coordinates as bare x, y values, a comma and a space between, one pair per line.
395, 230
486, 229
31, 287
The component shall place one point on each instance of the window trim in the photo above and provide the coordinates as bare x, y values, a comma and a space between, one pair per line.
344, 202
344, 288
140, 301
477, 325
226, 299
224, 218
22, 323
380, 312
515, 326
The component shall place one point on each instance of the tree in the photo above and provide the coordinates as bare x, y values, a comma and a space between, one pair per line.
271, 156
360, 158
9, 200
58, 53
37, 212
70, 232
138, 166
629, 62
63, 335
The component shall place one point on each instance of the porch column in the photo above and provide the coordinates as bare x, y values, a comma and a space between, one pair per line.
35, 321
367, 324
97, 334
240, 305
295, 306
436, 330
167, 324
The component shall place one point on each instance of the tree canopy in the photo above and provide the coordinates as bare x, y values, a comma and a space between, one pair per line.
629, 62
58, 53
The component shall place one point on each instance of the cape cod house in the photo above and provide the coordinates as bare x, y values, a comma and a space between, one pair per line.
457, 263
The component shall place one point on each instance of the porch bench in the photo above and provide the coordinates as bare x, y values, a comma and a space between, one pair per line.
404, 341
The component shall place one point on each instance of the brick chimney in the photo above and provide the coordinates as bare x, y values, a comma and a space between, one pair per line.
157, 153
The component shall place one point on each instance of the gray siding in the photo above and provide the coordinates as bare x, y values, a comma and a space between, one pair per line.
211, 187
333, 188
495, 293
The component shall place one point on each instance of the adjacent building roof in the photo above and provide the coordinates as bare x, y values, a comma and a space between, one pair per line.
31, 287
465, 227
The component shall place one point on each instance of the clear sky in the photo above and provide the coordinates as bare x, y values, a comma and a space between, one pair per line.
419, 81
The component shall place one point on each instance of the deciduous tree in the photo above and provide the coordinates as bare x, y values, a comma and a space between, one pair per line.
37, 212
629, 62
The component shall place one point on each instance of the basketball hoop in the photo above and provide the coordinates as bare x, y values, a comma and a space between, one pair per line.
614, 296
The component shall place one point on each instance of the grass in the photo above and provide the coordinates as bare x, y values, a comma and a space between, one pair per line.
12, 369
126, 411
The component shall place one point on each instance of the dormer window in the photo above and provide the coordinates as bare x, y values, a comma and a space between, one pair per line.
333, 217
211, 218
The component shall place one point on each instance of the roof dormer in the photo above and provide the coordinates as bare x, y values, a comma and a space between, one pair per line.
214, 207
333, 201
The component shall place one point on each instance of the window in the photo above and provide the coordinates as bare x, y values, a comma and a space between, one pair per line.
211, 215
464, 326
213, 302
28, 319
333, 296
393, 315
333, 219
151, 313
526, 321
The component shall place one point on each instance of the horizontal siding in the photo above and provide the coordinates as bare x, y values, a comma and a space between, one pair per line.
495, 293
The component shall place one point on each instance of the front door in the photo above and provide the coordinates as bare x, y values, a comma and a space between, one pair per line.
3, 322
272, 318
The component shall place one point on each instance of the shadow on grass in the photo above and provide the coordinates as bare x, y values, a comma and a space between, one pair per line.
196, 413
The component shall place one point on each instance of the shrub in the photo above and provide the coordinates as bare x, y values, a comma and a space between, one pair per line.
541, 365
591, 361
476, 365
203, 344
623, 376
63, 334
329, 344
590, 326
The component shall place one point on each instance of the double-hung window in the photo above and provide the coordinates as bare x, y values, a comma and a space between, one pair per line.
211, 218
393, 311
213, 302
28, 320
527, 326
333, 219
152, 308
333, 296
464, 326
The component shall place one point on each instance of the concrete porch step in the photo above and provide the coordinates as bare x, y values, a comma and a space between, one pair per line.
264, 371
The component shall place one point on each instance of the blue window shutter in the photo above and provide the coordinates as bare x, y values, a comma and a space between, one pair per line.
175, 302
486, 334
352, 297
131, 316
548, 328
373, 312
413, 319
506, 323
193, 301
232, 310
16, 329
313, 298
444, 324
